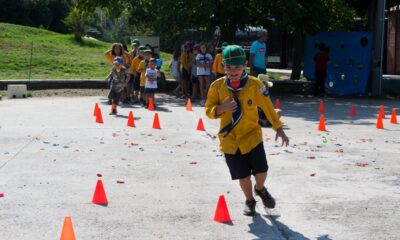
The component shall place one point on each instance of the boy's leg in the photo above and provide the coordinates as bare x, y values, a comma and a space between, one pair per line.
247, 187
201, 83
260, 180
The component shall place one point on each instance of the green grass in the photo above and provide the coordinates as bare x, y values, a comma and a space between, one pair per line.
55, 56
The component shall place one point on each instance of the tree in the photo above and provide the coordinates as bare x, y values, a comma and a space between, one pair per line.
78, 23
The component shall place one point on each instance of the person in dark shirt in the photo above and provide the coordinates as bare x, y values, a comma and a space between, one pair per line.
321, 60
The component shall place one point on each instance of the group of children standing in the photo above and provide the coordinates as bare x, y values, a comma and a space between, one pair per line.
133, 75
195, 69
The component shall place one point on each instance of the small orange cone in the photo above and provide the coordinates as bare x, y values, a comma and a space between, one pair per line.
393, 119
67, 232
151, 105
99, 116
156, 122
96, 106
131, 120
277, 104
200, 125
222, 212
352, 110
382, 111
379, 122
321, 107
321, 126
189, 105
99, 196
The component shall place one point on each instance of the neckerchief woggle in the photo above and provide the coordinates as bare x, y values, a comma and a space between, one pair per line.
237, 115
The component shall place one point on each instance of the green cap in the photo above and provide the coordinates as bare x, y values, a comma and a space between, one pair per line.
224, 45
141, 48
234, 55
135, 42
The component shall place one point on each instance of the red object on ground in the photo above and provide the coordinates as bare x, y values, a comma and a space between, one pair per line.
96, 106
321, 107
222, 212
393, 119
312, 174
352, 110
321, 126
151, 105
67, 232
382, 111
99, 116
99, 196
156, 122
189, 105
131, 120
1, 195
379, 122
200, 125
277, 104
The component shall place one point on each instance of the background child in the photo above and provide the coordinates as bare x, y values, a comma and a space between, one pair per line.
118, 78
147, 53
194, 79
186, 62
175, 70
151, 81
234, 100
217, 67
203, 63
136, 74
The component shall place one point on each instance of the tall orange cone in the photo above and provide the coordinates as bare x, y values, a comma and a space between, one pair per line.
151, 105
131, 120
99, 196
393, 119
96, 106
200, 125
99, 116
321, 107
321, 126
222, 212
189, 105
156, 122
379, 122
352, 110
277, 104
382, 111
67, 232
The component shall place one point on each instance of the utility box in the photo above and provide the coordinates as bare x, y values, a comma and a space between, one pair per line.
17, 91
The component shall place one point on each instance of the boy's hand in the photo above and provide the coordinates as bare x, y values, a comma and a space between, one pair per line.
227, 106
280, 133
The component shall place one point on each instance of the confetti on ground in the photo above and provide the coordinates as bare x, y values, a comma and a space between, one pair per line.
339, 150
311, 157
99, 175
193, 163
1, 195
120, 182
312, 174
287, 151
361, 164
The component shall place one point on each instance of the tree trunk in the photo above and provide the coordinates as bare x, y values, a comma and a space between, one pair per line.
297, 54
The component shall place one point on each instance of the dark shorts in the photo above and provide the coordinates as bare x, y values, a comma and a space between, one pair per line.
136, 83
150, 90
195, 80
185, 75
131, 78
259, 70
253, 162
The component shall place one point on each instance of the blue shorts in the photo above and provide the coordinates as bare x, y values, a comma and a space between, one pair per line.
150, 90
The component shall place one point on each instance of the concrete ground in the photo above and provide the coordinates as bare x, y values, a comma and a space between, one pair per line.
339, 184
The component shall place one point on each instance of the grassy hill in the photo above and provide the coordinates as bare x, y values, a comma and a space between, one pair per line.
54, 55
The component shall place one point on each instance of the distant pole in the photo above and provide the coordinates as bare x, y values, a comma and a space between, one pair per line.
378, 47
30, 62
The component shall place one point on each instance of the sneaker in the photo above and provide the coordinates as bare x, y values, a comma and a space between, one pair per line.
202, 102
267, 199
250, 208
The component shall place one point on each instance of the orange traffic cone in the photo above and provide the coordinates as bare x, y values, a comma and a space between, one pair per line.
99, 196
352, 110
277, 104
151, 105
382, 111
96, 106
379, 122
67, 232
200, 125
321, 126
222, 212
189, 105
321, 107
99, 116
131, 120
393, 119
156, 122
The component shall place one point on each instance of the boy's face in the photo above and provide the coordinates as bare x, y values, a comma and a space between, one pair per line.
203, 48
234, 72
152, 65
117, 50
147, 55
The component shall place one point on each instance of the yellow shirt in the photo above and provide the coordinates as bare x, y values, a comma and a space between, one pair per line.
186, 61
110, 57
217, 65
135, 64
142, 69
247, 134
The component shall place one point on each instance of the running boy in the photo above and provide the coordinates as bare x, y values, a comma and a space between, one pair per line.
234, 99
118, 78
151, 81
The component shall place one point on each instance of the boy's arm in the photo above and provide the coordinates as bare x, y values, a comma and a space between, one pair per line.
264, 102
212, 102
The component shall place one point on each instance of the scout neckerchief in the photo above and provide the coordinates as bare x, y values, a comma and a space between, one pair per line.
237, 115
